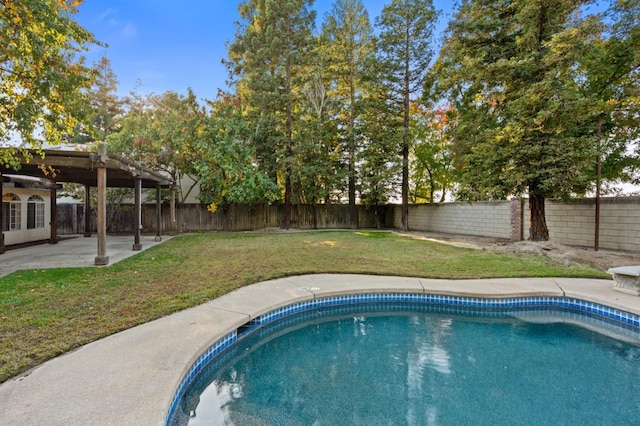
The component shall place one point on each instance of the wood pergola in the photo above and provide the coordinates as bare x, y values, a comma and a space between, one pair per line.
91, 169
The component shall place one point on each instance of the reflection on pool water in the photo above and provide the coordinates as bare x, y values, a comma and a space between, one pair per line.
421, 364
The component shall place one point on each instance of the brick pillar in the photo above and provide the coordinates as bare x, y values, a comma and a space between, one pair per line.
517, 219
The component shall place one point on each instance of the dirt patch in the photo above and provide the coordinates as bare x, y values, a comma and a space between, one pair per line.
601, 259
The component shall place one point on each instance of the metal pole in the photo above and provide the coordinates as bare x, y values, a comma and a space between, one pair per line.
596, 245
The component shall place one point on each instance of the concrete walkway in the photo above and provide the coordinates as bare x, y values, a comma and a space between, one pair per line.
73, 252
130, 378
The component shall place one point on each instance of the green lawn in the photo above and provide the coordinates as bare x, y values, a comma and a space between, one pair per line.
44, 313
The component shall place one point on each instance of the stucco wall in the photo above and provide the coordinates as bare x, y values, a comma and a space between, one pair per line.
27, 235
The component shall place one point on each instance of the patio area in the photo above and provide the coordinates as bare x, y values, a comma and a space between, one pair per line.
71, 252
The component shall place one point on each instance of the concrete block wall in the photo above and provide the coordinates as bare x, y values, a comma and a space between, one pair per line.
489, 218
571, 223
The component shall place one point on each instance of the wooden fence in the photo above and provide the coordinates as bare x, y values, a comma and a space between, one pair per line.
196, 217
571, 223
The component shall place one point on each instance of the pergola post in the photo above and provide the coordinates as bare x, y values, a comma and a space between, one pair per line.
53, 222
172, 208
102, 258
158, 212
87, 211
137, 212
2, 249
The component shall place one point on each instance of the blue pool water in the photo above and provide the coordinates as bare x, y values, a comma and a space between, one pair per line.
409, 364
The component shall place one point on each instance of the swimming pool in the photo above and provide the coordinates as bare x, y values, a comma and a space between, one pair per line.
432, 360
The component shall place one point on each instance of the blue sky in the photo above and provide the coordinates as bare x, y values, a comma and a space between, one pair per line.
171, 44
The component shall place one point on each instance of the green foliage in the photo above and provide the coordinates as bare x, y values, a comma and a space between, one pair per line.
104, 105
404, 48
510, 68
431, 160
41, 72
103, 109
268, 59
348, 43
378, 160
225, 163
317, 168
610, 82
160, 132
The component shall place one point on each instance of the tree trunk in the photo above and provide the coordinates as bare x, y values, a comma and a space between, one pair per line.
286, 220
405, 138
353, 209
405, 184
538, 230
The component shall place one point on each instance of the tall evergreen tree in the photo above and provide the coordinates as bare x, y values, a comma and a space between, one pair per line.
610, 80
348, 42
104, 105
379, 163
509, 71
318, 170
405, 50
266, 59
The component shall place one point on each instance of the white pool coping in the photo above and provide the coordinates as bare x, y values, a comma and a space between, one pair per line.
130, 378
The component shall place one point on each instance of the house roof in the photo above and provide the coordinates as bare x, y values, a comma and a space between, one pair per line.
81, 167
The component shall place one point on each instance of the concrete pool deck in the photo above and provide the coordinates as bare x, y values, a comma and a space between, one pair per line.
130, 378
71, 252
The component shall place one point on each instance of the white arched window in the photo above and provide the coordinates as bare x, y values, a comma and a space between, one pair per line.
11, 212
35, 212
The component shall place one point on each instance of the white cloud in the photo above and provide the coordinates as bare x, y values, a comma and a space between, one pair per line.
108, 15
110, 18
129, 31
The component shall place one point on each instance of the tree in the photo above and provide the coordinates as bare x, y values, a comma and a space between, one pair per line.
610, 80
509, 71
104, 105
379, 163
103, 110
318, 170
267, 58
405, 50
432, 165
348, 43
41, 74
161, 132
225, 162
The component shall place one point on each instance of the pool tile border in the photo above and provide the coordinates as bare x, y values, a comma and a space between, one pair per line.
592, 308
